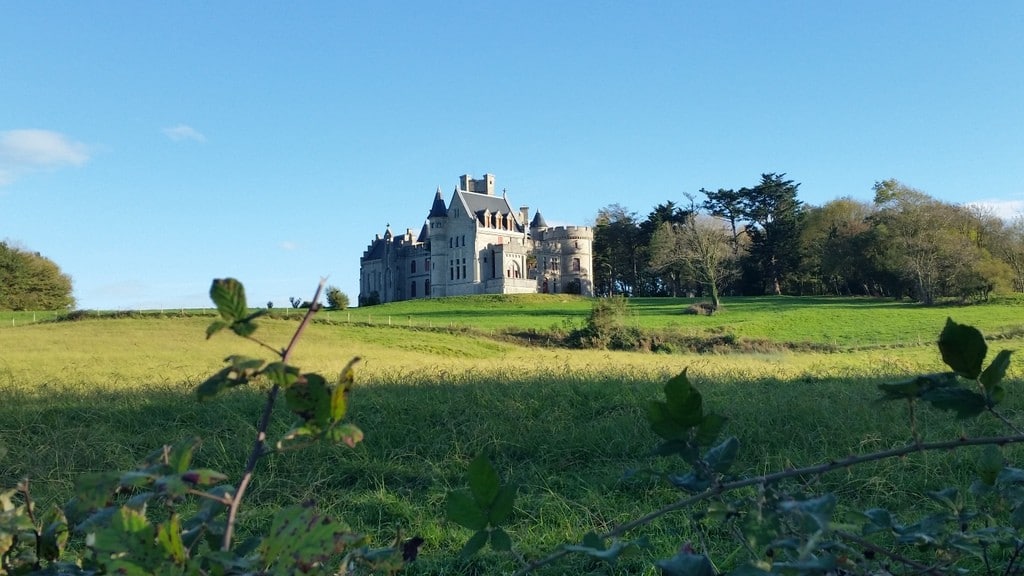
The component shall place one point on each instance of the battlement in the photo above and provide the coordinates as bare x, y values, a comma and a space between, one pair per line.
568, 233
484, 185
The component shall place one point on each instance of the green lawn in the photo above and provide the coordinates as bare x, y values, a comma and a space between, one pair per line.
564, 425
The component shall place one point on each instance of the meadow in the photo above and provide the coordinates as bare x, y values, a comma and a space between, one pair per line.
565, 425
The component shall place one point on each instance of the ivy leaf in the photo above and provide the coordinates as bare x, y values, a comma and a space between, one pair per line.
963, 348
474, 544
462, 508
483, 481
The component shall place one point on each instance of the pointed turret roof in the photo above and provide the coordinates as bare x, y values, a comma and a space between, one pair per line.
438, 210
424, 234
538, 221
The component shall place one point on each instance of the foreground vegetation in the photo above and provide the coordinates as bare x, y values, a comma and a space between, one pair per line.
563, 425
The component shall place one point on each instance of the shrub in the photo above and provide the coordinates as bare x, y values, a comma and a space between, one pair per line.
336, 299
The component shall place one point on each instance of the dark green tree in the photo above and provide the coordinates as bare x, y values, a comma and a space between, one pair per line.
775, 214
30, 281
618, 251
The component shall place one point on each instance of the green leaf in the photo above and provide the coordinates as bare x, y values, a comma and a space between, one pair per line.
180, 456
963, 348
662, 423
920, 385
241, 371
819, 509
686, 564
592, 541
709, 429
228, 295
203, 477
691, 482
948, 497
339, 397
348, 434
310, 398
500, 540
965, 403
168, 535
474, 544
990, 464
281, 374
300, 536
54, 537
503, 504
216, 326
721, 457
462, 508
684, 402
483, 481
996, 371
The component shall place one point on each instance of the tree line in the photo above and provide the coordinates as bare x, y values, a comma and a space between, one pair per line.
764, 240
31, 281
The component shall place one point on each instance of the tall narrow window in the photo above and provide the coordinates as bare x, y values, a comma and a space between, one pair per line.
575, 264
413, 266
412, 289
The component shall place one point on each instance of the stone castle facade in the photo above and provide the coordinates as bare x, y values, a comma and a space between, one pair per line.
477, 244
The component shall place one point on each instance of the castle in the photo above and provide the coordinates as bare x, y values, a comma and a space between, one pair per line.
477, 244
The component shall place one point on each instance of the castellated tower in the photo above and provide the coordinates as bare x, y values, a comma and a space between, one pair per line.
477, 244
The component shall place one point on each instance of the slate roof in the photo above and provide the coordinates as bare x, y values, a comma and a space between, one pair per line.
478, 203
424, 234
538, 221
438, 209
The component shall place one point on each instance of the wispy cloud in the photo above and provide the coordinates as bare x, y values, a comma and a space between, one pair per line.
23, 151
288, 245
184, 132
1005, 208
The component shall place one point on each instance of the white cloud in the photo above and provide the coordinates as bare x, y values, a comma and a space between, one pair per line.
23, 151
1005, 208
184, 132
288, 245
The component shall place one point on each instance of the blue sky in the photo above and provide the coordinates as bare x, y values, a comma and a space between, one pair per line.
150, 147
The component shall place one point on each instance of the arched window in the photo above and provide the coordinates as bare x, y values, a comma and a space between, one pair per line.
412, 289
413, 270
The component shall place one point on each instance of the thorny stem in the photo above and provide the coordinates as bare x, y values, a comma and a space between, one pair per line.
1004, 420
921, 568
913, 421
259, 448
774, 477
29, 508
1013, 557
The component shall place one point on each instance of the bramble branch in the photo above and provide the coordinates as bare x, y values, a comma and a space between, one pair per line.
259, 448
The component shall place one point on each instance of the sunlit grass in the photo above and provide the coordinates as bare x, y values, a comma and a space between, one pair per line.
562, 424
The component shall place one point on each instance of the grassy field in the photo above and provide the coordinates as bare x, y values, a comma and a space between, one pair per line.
563, 424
